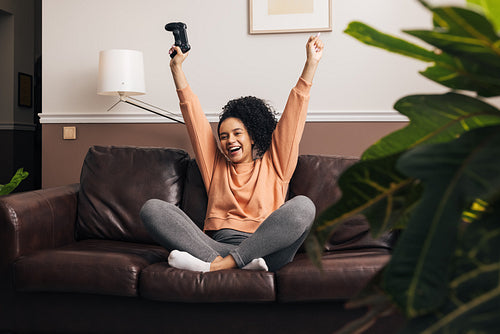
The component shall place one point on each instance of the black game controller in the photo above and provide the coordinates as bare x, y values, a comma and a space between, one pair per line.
180, 35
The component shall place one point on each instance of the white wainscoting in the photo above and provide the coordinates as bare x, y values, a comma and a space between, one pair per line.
312, 116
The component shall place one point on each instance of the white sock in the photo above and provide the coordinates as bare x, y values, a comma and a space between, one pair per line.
256, 264
183, 260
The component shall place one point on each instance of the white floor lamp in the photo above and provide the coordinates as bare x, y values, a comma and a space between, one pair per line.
121, 73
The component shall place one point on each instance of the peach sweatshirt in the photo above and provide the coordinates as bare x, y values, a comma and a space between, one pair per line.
242, 196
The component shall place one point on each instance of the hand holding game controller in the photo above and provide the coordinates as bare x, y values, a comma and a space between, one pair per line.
180, 35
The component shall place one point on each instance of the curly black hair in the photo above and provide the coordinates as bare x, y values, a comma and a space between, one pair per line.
258, 117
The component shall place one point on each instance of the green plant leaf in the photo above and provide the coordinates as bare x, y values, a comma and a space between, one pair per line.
445, 281
491, 9
373, 188
466, 76
373, 37
373, 298
467, 55
434, 119
470, 38
462, 47
473, 299
453, 175
464, 22
14, 182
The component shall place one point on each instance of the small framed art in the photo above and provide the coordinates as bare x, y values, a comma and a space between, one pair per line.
287, 16
25, 90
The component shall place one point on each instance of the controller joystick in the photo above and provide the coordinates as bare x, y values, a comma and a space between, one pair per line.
180, 35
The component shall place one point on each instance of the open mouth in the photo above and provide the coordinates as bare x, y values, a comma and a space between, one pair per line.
233, 150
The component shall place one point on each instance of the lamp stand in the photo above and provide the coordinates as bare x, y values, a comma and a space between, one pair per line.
141, 104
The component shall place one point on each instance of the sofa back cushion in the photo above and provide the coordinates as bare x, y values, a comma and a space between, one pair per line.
316, 177
195, 199
116, 181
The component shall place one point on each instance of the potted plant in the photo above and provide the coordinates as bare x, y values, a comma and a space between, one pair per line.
437, 181
14, 182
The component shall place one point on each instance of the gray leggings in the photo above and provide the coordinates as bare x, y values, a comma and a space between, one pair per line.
276, 240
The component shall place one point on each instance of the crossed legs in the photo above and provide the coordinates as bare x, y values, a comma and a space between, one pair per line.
273, 245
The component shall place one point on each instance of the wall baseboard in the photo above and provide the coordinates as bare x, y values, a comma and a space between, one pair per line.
312, 116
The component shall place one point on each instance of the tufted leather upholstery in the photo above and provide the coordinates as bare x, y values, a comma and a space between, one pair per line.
79, 250
117, 181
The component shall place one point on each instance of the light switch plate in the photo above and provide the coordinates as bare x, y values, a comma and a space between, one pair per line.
69, 132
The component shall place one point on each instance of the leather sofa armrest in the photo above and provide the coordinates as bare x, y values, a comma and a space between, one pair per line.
36, 220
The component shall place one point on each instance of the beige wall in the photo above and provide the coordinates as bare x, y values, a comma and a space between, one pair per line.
225, 62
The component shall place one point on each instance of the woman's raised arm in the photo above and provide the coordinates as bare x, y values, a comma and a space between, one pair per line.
314, 51
178, 75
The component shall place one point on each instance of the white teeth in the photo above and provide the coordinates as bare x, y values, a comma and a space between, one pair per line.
234, 149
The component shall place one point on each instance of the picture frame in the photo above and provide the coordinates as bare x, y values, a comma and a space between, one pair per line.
289, 16
25, 90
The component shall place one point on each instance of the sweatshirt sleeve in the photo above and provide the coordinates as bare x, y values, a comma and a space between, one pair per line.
284, 148
200, 133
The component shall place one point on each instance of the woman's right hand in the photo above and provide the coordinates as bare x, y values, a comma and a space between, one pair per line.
176, 67
179, 57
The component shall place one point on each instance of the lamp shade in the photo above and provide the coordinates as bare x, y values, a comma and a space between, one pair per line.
121, 72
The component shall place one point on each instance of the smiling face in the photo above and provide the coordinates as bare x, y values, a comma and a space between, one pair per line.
235, 141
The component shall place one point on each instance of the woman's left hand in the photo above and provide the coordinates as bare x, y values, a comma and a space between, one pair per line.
314, 48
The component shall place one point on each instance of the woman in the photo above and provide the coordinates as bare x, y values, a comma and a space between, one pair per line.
246, 174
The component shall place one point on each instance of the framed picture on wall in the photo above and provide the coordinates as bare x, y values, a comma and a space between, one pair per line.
24, 90
286, 16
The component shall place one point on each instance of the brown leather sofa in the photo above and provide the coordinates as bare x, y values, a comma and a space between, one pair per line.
76, 259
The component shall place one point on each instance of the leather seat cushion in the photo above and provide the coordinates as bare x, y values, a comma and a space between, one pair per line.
344, 274
90, 266
164, 283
